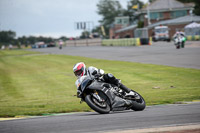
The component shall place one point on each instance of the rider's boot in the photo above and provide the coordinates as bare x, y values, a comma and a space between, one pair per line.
111, 79
126, 89
123, 87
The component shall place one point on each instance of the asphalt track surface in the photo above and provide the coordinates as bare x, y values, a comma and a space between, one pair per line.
151, 117
161, 53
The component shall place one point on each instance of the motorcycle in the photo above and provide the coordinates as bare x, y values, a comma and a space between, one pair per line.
104, 97
60, 47
179, 41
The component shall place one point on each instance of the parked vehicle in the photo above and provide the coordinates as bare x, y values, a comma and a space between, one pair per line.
51, 44
39, 45
161, 33
104, 97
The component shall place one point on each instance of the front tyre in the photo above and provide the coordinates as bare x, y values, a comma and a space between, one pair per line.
138, 102
102, 108
178, 46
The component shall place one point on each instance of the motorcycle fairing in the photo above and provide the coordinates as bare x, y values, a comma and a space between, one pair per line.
116, 102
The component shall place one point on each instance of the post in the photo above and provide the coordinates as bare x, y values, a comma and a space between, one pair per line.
148, 14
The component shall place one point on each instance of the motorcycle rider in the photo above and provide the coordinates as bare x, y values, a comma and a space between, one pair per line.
179, 37
179, 33
80, 70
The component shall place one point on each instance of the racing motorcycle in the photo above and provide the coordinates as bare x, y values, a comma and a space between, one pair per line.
179, 41
60, 47
104, 97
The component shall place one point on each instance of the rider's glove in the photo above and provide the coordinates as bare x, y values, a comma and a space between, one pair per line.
96, 76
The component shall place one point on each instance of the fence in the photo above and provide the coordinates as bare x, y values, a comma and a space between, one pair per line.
84, 42
141, 33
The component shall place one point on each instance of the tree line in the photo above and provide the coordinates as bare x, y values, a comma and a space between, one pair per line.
9, 37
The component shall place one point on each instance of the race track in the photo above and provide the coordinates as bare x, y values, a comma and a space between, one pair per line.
161, 53
152, 116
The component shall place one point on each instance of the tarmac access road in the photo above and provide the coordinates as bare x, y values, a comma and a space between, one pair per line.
161, 53
151, 119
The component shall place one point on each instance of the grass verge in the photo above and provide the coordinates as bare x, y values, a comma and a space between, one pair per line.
36, 84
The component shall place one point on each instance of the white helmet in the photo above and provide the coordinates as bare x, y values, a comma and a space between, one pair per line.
79, 69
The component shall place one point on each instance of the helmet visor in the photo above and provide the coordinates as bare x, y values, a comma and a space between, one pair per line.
78, 72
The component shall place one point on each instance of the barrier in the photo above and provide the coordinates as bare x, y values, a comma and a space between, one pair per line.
138, 43
193, 38
127, 42
121, 42
110, 42
150, 41
83, 42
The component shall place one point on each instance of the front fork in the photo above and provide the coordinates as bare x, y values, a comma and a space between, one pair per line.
96, 96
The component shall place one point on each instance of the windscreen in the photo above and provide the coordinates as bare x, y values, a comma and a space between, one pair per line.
161, 30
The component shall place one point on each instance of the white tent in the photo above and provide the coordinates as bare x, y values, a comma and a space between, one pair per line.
192, 29
192, 25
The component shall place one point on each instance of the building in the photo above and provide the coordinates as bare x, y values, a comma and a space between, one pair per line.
120, 23
175, 24
161, 12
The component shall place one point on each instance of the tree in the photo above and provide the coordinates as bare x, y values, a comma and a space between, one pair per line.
32, 39
132, 10
85, 34
140, 24
23, 40
151, 1
108, 9
196, 7
97, 30
64, 38
7, 37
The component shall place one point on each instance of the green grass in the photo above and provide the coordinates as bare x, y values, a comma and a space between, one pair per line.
36, 84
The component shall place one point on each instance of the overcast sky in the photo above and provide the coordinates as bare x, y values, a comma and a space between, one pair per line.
48, 17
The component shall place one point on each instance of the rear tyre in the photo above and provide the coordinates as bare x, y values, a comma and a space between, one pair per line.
102, 108
182, 45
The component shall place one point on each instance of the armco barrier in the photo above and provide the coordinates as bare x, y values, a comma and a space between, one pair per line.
121, 42
193, 38
126, 42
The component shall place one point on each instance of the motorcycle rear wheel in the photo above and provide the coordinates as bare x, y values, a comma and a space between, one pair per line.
105, 109
182, 44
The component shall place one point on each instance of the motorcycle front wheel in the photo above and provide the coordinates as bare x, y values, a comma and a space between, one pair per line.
178, 46
100, 107
138, 102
